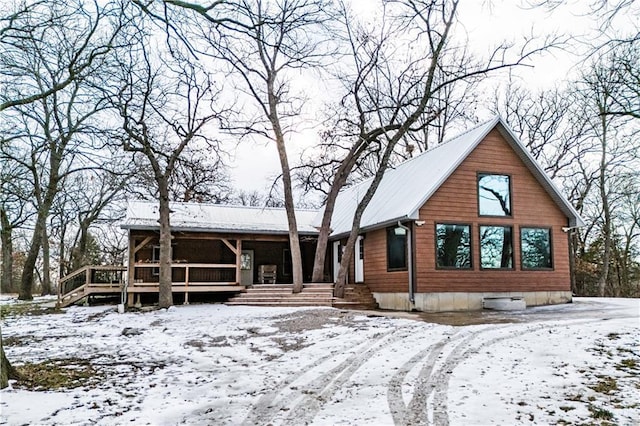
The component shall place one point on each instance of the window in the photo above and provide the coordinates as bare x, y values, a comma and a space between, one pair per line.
453, 246
496, 247
494, 195
155, 258
396, 249
535, 246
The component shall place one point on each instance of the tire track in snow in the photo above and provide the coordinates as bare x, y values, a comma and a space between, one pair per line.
267, 408
318, 392
394, 389
433, 383
416, 411
443, 375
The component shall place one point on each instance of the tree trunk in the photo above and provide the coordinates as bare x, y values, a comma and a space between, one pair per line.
343, 273
294, 240
606, 210
7, 253
44, 206
46, 264
325, 228
165, 296
79, 252
26, 281
7, 372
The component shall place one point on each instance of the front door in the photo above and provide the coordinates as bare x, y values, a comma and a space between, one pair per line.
337, 257
359, 260
246, 267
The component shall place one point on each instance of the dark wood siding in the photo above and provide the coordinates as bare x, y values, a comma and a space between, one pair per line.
456, 201
376, 276
208, 248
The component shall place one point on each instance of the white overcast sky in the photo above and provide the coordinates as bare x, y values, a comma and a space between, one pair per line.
486, 23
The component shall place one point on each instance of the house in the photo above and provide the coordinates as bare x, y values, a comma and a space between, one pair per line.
473, 218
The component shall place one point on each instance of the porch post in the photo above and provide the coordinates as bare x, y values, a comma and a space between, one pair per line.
238, 261
186, 285
130, 268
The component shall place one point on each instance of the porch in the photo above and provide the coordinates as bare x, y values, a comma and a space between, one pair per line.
212, 262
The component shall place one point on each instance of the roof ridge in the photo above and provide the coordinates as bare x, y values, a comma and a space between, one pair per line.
467, 131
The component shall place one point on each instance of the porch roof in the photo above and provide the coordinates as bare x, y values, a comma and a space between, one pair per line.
196, 217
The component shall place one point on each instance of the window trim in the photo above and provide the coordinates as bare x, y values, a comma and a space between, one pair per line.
513, 251
406, 260
553, 264
435, 241
478, 174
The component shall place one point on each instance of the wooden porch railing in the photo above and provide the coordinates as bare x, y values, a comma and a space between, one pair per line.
187, 274
92, 279
185, 277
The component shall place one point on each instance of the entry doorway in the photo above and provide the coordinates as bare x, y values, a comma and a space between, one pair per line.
246, 267
359, 260
337, 257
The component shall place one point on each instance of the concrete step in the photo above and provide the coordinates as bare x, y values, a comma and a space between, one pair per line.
312, 294
286, 303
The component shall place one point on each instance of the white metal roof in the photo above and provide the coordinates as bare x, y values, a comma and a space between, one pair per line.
198, 217
405, 188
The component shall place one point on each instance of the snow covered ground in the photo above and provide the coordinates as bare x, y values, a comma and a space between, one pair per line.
215, 364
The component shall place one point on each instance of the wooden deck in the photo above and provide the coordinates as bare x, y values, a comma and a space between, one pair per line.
90, 280
110, 280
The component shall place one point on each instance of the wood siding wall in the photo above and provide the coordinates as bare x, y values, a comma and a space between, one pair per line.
457, 201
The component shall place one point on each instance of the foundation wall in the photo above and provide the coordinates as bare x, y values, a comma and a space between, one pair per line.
452, 301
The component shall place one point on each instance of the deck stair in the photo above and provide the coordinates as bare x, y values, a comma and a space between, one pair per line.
356, 296
313, 294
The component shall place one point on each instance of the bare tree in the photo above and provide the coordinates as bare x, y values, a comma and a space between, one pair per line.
393, 92
165, 103
545, 122
266, 45
51, 54
37, 27
612, 146
15, 193
626, 62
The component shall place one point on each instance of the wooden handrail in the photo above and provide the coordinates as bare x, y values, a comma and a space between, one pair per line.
95, 268
73, 274
185, 265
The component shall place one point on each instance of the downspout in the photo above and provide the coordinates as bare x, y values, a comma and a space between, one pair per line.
409, 261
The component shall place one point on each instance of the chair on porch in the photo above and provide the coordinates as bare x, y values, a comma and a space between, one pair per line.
267, 274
